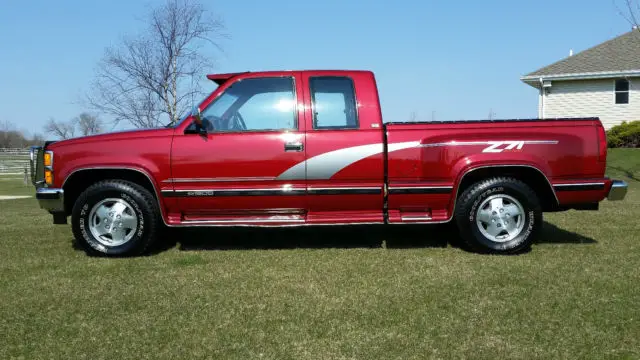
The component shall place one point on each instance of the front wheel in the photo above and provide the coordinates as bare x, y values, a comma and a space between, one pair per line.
499, 215
115, 218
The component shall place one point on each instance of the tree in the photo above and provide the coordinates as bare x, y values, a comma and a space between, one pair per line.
155, 74
10, 137
61, 129
88, 124
85, 124
629, 10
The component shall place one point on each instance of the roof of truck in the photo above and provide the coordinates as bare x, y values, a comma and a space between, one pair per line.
221, 78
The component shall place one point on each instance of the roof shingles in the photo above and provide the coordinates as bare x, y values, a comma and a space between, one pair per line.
618, 54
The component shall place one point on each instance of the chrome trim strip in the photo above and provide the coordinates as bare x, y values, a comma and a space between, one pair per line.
220, 179
579, 186
297, 224
344, 190
407, 190
233, 192
283, 191
415, 218
153, 184
245, 221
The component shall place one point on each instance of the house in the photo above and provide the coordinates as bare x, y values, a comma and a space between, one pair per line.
603, 81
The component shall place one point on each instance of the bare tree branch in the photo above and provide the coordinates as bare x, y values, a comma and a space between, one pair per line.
61, 129
150, 77
88, 124
629, 10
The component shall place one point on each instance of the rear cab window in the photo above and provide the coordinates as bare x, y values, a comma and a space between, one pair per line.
334, 103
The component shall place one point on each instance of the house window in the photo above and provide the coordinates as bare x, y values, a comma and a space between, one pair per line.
622, 91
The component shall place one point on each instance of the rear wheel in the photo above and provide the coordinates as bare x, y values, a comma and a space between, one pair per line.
499, 215
115, 218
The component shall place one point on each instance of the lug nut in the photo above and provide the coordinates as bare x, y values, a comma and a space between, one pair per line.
501, 210
499, 225
494, 213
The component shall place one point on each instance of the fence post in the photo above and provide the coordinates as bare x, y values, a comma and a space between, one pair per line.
26, 176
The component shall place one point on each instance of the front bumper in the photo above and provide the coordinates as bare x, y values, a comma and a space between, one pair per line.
618, 190
50, 199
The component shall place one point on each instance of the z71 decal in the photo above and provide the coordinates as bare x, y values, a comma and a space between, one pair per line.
500, 146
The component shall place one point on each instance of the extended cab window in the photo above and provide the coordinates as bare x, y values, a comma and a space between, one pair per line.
259, 104
334, 103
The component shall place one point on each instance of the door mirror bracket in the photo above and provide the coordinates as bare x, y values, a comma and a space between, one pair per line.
197, 115
197, 122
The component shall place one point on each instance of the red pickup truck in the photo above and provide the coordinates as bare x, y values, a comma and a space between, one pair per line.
292, 148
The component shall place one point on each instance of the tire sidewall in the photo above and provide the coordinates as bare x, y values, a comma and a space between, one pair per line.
81, 219
532, 217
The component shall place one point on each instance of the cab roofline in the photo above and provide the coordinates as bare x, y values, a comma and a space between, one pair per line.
222, 78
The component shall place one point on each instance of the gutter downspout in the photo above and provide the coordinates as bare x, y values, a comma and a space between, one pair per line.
541, 98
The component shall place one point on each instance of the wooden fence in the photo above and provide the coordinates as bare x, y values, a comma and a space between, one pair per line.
14, 162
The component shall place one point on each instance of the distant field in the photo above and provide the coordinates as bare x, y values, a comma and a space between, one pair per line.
326, 293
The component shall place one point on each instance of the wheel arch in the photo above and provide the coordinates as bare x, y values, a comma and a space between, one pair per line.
535, 178
80, 179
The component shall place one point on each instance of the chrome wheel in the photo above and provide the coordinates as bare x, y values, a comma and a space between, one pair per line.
500, 218
113, 222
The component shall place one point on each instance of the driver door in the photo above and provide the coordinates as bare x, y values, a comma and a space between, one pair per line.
229, 175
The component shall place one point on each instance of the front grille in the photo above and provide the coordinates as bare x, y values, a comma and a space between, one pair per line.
37, 165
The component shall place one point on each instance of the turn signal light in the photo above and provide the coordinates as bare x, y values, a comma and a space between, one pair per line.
48, 177
48, 159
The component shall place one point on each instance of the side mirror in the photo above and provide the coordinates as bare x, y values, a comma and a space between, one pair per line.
197, 115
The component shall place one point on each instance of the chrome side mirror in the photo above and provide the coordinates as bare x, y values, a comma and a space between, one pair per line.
197, 115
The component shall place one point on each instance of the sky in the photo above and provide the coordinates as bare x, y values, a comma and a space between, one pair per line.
441, 59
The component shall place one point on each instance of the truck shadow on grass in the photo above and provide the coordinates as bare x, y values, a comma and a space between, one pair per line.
366, 236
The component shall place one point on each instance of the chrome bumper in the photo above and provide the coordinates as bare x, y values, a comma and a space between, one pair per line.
51, 199
618, 190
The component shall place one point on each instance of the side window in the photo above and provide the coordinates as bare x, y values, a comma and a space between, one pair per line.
622, 91
334, 103
260, 104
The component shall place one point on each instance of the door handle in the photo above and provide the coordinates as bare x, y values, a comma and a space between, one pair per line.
293, 146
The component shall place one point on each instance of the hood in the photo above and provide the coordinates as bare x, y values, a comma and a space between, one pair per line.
111, 136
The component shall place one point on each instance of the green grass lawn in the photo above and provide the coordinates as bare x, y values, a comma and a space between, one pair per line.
326, 293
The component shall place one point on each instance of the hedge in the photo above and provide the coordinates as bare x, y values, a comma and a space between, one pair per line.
625, 135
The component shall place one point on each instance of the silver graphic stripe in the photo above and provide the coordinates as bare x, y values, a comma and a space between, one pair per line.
324, 166
478, 143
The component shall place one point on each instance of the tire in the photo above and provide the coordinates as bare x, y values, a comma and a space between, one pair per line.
127, 209
484, 219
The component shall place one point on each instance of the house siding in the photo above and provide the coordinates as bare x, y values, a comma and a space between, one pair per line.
588, 98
